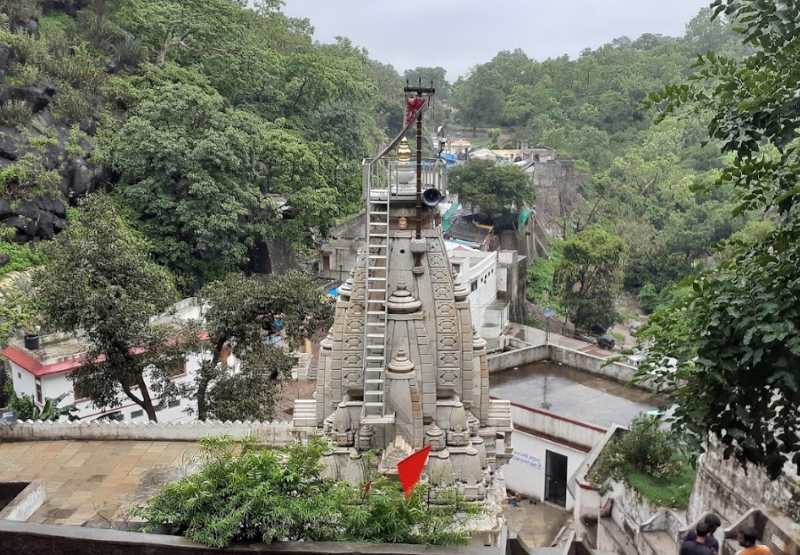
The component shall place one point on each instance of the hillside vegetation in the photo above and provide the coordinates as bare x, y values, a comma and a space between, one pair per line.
217, 127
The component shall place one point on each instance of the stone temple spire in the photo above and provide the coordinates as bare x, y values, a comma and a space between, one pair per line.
433, 383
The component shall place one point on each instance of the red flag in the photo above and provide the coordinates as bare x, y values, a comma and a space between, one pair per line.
410, 469
413, 105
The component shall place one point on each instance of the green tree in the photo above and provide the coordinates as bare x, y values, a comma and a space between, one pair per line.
590, 275
736, 337
496, 189
98, 279
206, 183
242, 312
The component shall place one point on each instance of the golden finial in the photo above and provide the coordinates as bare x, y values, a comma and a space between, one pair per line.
403, 152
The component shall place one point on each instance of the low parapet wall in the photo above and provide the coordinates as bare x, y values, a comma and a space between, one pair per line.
270, 433
570, 357
44, 539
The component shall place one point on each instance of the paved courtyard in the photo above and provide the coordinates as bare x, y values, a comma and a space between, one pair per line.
572, 393
537, 524
94, 482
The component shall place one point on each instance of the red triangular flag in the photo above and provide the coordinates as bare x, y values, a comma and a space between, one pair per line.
410, 469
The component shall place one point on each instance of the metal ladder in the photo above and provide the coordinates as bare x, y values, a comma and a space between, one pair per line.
375, 309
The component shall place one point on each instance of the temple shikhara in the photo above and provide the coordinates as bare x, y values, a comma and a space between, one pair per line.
402, 367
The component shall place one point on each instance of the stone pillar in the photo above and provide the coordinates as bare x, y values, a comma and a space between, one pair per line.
465, 386
403, 398
481, 370
323, 373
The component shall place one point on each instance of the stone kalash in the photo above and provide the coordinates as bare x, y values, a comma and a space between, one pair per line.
401, 367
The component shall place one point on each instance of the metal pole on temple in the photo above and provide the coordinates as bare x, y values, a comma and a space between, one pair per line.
419, 175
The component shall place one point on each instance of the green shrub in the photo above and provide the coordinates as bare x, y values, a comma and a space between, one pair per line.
71, 104
21, 257
249, 494
652, 460
15, 113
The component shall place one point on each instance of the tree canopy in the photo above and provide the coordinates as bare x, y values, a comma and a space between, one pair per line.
99, 280
589, 276
496, 189
735, 335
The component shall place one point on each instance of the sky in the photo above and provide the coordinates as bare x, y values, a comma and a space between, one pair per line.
458, 34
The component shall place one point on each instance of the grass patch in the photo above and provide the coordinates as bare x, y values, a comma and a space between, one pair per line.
22, 257
540, 280
673, 491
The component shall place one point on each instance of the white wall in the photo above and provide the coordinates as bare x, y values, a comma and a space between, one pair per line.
525, 472
55, 385
23, 381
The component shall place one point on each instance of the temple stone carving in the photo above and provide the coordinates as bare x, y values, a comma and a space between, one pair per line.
431, 382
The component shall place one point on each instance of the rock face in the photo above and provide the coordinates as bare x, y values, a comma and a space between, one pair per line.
41, 217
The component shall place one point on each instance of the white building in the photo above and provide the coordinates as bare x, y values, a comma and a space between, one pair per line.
44, 373
478, 271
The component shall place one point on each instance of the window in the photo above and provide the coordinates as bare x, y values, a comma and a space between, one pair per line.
79, 391
137, 414
177, 368
473, 286
39, 398
174, 403
326, 263
114, 417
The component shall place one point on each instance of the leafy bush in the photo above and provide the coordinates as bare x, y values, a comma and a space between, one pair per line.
14, 113
72, 104
651, 460
244, 493
21, 257
26, 409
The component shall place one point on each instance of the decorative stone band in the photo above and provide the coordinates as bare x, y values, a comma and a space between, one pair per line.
268, 433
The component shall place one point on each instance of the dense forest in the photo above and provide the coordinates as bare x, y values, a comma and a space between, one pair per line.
219, 127
652, 185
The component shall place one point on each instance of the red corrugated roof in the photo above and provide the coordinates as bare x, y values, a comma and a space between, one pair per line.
25, 360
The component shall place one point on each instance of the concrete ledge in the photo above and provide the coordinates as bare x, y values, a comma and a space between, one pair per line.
43, 539
592, 364
269, 433
26, 502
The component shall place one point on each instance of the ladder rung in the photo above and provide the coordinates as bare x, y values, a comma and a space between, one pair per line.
376, 393
373, 404
373, 213
379, 223
373, 381
378, 256
376, 290
375, 358
370, 278
373, 347
376, 335
375, 313
373, 324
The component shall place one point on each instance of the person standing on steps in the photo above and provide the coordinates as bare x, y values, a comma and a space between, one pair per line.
699, 545
748, 538
713, 523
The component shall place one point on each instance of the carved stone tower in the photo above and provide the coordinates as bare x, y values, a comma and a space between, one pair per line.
401, 367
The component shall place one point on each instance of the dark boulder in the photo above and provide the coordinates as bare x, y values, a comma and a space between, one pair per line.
4, 259
52, 205
5, 209
9, 143
7, 56
38, 98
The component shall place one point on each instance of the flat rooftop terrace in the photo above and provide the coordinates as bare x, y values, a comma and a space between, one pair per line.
572, 393
93, 482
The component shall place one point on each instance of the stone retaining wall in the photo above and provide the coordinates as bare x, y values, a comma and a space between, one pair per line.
270, 433
43, 539
570, 357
